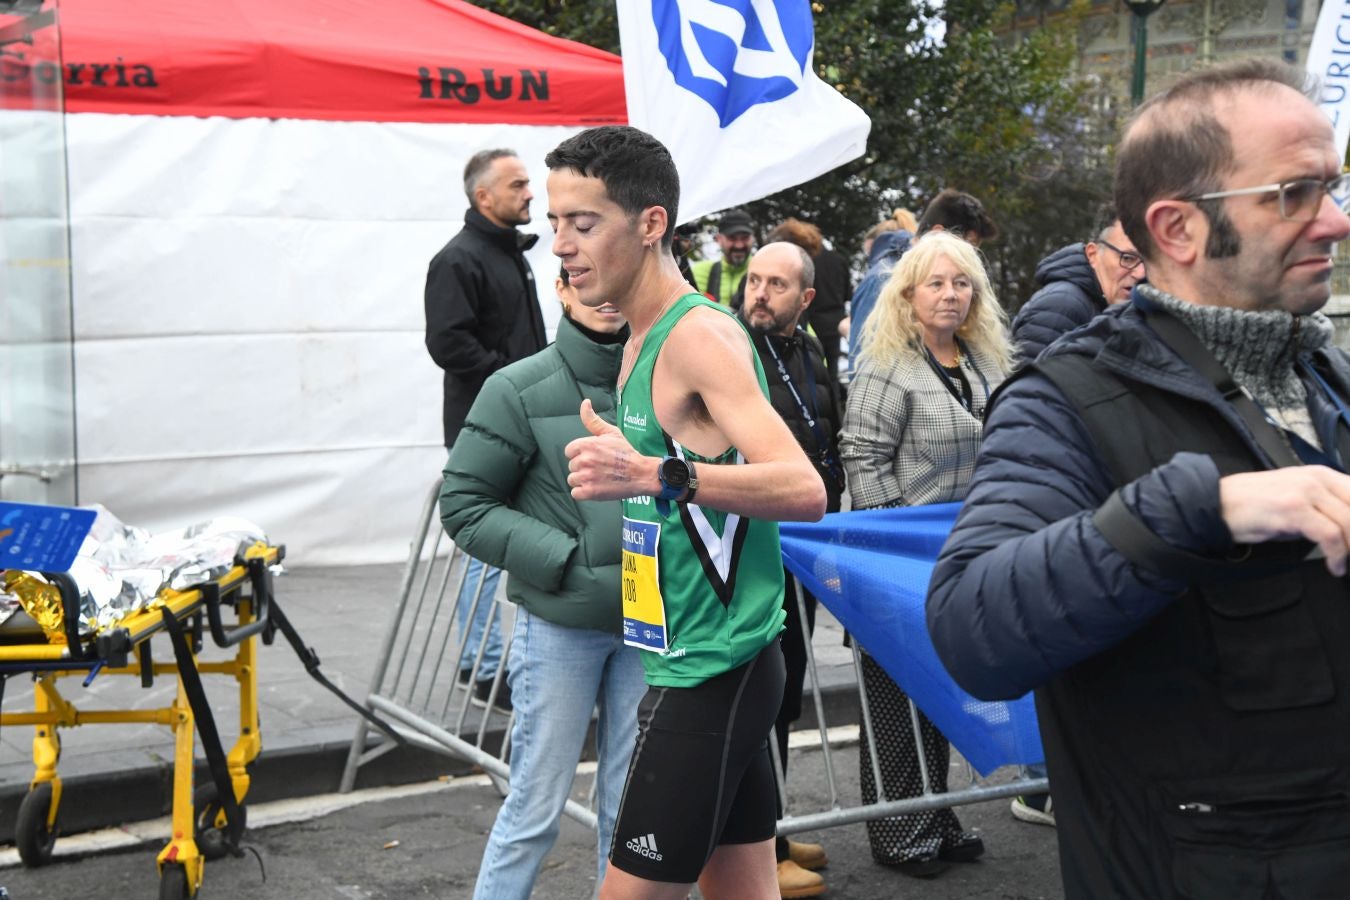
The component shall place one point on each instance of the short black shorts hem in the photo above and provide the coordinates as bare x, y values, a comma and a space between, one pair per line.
701, 774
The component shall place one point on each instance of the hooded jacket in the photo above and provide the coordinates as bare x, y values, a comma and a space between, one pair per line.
1070, 296
482, 311
505, 499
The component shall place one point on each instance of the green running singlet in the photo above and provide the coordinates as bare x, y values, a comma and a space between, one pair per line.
702, 589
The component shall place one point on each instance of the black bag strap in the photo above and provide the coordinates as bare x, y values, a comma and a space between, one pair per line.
1195, 354
206, 727
714, 286
1091, 391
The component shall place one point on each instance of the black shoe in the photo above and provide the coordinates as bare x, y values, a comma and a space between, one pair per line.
924, 867
967, 848
483, 689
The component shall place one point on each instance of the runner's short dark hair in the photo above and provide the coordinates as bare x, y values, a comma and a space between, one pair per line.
637, 169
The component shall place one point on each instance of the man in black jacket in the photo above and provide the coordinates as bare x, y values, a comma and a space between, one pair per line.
482, 309
482, 314
1077, 283
802, 390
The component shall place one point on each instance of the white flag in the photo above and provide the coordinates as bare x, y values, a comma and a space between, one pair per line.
728, 86
1328, 61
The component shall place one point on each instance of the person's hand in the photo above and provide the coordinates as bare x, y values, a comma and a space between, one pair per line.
605, 466
1311, 502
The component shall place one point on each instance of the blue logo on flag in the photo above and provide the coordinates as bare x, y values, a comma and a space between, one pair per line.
735, 53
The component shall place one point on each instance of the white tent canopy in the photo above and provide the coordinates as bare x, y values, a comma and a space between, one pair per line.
248, 277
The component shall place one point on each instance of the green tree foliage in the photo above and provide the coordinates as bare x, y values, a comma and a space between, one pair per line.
953, 104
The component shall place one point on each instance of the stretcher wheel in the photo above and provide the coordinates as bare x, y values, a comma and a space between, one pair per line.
206, 806
173, 883
31, 834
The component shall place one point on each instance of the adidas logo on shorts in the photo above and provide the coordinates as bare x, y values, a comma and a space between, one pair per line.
645, 846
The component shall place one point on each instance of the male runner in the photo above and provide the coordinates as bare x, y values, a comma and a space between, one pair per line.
705, 468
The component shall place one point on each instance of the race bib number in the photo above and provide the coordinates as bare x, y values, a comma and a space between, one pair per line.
644, 612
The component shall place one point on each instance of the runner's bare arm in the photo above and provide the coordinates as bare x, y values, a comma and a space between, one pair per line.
711, 357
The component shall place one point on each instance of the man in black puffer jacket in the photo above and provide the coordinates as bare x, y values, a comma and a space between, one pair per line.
1078, 282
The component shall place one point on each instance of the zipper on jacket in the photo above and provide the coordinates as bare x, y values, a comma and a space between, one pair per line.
1265, 806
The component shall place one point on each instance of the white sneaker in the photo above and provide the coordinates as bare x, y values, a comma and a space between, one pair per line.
1036, 810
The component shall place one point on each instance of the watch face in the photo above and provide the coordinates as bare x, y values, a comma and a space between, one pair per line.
674, 473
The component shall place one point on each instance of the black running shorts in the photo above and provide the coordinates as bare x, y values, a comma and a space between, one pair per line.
701, 773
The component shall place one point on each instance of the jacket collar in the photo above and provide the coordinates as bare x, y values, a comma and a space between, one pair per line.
509, 239
1121, 340
786, 346
1071, 264
591, 363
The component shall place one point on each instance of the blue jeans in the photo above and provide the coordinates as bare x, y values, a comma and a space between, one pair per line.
492, 653
558, 675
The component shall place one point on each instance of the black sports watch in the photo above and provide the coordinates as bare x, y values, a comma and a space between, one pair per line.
678, 480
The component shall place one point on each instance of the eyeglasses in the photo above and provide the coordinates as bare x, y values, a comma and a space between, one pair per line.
1300, 199
1128, 258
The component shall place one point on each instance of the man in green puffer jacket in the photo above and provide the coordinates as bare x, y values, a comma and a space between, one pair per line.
506, 501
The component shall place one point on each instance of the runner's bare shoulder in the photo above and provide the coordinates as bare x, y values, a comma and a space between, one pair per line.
708, 339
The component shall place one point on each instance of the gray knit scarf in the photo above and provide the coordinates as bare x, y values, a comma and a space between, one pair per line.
1259, 349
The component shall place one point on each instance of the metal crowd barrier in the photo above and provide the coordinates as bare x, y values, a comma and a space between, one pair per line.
414, 686
838, 814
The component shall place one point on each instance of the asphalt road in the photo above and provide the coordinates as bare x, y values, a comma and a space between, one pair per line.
426, 841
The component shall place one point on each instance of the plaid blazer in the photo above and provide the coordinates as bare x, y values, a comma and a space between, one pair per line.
906, 440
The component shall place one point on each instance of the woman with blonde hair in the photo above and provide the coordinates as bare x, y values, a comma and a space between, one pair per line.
933, 350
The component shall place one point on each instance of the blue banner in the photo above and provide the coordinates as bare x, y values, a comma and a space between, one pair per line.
871, 570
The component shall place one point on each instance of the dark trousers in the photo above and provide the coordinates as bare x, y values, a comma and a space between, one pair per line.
914, 836
794, 657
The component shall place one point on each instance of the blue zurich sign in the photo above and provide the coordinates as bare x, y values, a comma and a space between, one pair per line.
735, 53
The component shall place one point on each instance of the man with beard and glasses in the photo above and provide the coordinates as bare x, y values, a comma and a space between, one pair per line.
1155, 538
778, 292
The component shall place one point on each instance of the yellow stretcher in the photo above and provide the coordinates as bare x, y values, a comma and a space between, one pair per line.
209, 822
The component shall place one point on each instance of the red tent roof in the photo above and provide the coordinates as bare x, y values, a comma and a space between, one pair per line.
361, 60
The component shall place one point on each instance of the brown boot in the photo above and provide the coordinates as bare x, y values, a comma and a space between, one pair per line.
808, 856
794, 881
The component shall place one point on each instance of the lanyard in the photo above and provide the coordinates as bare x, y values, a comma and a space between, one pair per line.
808, 414
947, 379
